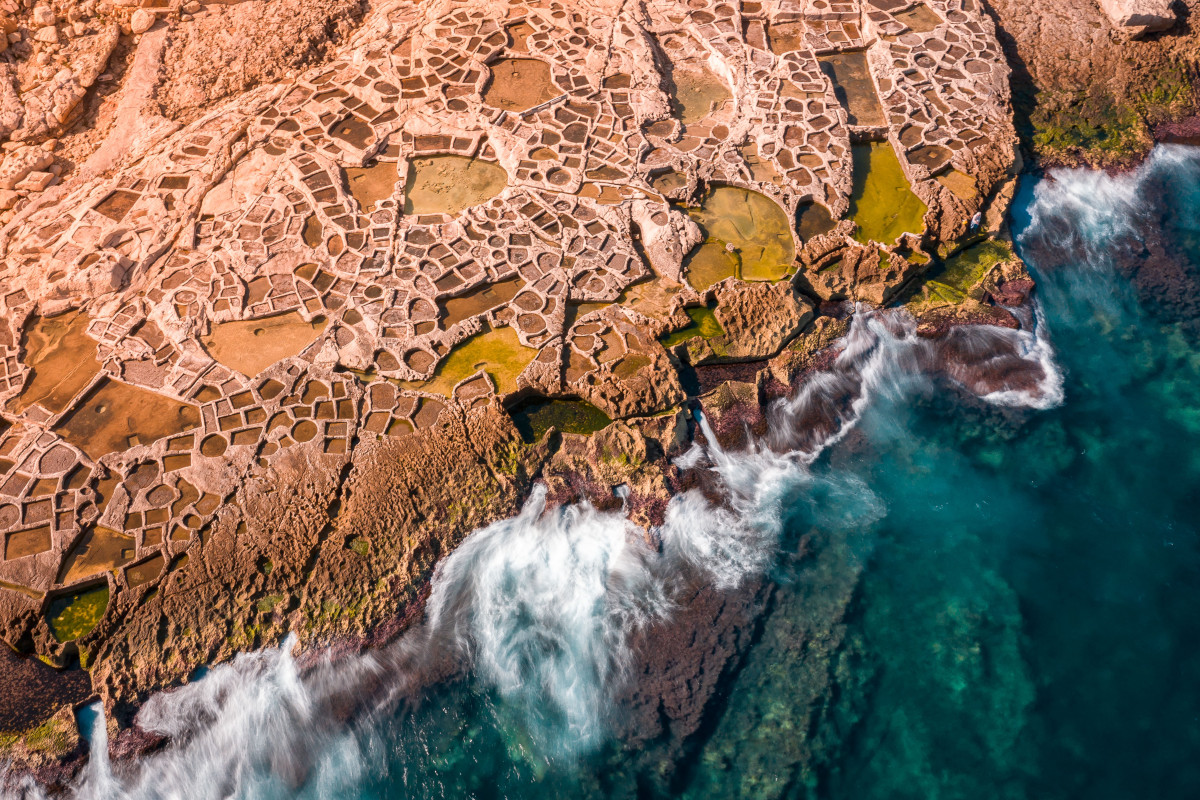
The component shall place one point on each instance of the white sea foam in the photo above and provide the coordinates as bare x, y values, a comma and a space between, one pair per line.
542, 605
1033, 346
539, 607
1097, 208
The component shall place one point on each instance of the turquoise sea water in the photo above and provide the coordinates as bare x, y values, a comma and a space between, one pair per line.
964, 600
1031, 602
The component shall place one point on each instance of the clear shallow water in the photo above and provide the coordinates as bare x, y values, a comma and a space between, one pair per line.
1030, 607
967, 599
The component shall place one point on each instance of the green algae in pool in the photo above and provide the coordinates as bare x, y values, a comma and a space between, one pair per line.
882, 203
535, 417
704, 324
710, 263
449, 184
498, 352
73, 615
747, 236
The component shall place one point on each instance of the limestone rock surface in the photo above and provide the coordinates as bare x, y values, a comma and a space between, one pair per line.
1089, 91
261, 343
1140, 16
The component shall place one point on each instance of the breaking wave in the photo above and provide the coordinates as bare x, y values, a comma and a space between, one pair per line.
540, 608
1078, 214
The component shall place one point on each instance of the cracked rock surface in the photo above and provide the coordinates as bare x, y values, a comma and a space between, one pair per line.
258, 350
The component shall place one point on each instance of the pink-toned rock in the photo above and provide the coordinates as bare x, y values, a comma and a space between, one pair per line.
43, 15
1139, 17
141, 21
19, 163
667, 236
208, 59
35, 182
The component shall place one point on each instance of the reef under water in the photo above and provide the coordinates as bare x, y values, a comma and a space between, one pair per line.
917, 586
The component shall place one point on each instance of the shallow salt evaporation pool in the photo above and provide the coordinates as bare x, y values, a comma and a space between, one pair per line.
747, 236
882, 203
1011, 589
448, 184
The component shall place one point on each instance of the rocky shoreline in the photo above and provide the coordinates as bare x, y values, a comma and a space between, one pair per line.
314, 486
1090, 92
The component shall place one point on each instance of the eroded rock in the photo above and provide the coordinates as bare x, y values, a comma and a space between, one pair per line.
1139, 17
261, 346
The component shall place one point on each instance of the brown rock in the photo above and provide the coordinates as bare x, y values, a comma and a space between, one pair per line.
1072, 49
758, 319
304, 489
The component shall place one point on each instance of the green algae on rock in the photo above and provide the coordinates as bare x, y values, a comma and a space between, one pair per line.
74, 615
952, 283
883, 205
967, 267
704, 324
536, 416
747, 236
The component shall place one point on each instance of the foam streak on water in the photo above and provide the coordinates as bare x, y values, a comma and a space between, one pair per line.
1084, 210
542, 605
539, 608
